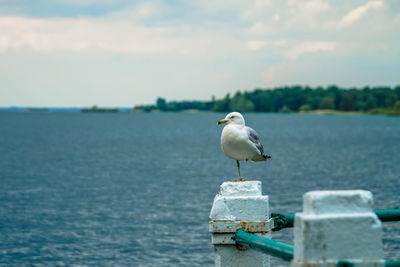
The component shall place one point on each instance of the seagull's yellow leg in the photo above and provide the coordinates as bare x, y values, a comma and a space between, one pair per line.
238, 166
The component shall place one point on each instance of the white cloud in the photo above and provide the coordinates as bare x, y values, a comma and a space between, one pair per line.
80, 35
89, 34
88, 2
257, 8
278, 75
397, 20
294, 17
309, 7
137, 13
310, 46
357, 13
258, 28
146, 10
256, 45
291, 69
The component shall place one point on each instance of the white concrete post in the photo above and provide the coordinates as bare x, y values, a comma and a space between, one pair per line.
337, 226
239, 205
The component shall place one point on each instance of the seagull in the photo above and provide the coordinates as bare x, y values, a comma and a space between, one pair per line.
240, 142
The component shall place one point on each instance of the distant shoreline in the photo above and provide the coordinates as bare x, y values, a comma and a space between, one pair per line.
312, 112
331, 100
317, 112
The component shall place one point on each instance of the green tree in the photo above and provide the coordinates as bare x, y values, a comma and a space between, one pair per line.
390, 100
305, 107
370, 103
290, 98
222, 105
347, 102
161, 103
327, 103
397, 91
285, 109
397, 105
241, 104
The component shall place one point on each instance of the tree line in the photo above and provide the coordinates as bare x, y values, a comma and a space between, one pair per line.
294, 99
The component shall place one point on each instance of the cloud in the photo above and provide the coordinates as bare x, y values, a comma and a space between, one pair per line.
256, 45
87, 2
105, 35
293, 70
310, 46
357, 13
81, 34
257, 9
138, 13
278, 74
143, 28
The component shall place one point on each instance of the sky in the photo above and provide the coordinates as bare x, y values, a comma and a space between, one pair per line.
74, 53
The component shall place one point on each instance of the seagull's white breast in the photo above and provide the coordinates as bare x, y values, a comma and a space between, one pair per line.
236, 144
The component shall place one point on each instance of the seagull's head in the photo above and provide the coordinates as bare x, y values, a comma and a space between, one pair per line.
232, 118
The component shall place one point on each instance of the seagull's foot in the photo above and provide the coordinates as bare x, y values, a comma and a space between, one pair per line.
240, 179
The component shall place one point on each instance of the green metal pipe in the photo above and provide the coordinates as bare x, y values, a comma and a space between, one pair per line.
271, 247
388, 215
392, 264
282, 220
282, 250
350, 264
344, 264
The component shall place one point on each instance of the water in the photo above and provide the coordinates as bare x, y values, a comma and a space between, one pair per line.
136, 189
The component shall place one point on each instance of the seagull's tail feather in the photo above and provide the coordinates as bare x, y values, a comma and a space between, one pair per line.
260, 158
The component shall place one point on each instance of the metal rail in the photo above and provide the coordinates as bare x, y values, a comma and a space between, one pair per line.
271, 247
350, 264
282, 250
282, 220
388, 215
392, 264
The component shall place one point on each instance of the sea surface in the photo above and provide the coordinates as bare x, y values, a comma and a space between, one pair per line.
135, 189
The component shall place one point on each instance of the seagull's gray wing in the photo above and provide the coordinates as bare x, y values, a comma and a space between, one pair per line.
253, 137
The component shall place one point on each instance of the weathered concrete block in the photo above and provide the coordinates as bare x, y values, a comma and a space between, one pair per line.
344, 201
230, 256
246, 188
337, 226
239, 205
240, 201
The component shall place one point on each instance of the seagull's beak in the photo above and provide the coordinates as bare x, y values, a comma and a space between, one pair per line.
221, 122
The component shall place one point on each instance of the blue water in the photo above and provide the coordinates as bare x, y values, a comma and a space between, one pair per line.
136, 189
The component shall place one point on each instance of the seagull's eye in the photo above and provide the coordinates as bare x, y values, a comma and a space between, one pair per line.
232, 117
